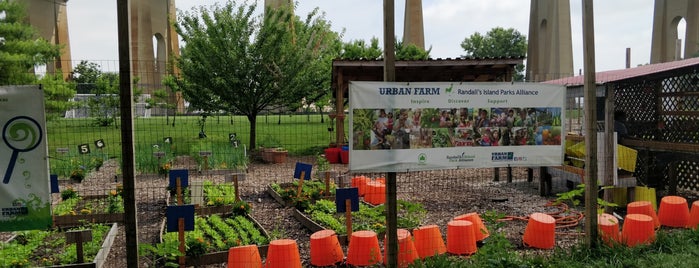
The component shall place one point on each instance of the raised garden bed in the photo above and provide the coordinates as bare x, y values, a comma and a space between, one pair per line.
322, 215
49, 249
76, 210
213, 235
312, 191
214, 199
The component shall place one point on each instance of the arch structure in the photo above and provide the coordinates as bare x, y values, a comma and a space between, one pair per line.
667, 15
550, 49
50, 18
153, 42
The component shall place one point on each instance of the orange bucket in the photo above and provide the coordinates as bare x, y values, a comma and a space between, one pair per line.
375, 193
645, 208
608, 226
244, 257
673, 211
359, 182
407, 253
637, 229
694, 215
461, 237
364, 249
283, 253
540, 231
481, 230
429, 241
325, 248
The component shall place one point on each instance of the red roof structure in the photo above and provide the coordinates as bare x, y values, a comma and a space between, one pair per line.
641, 72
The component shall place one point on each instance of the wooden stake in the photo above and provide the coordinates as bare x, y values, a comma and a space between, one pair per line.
235, 185
348, 218
298, 192
327, 183
179, 192
180, 227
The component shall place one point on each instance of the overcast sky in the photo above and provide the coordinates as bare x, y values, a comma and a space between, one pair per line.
619, 24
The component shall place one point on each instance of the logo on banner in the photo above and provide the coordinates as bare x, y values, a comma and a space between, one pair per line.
502, 156
463, 157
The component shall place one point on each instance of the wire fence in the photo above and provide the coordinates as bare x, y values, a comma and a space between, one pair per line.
246, 196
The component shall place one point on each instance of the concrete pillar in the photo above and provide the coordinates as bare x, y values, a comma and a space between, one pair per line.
666, 16
50, 18
413, 29
550, 49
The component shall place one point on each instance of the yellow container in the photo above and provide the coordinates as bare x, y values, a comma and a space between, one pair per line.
626, 158
619, 195
643, 193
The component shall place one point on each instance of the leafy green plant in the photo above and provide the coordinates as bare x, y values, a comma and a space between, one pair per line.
410, 215
68, 193
311, 191
576, 195
241, 207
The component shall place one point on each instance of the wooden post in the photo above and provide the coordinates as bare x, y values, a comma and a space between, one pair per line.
509, 174
327, 183
180, 200
496, 174
79, 237
389, 75
348, 218
206, 162
235, 185
590, 88
530, 174
300, 188
180, 235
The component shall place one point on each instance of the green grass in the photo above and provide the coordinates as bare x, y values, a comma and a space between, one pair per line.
299, 134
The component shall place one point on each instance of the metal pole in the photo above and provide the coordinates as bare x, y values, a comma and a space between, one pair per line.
127, 147
389, 75
590, 125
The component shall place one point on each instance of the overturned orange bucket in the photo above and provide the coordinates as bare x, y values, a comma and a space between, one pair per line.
407, 253
375, 193
645, 208
429, 241
608, 226
480, 229
325, 248
360, 182
461, 237
244, 257
637, 229
694, 215
673, 211
283, 253
364, 249
540, 231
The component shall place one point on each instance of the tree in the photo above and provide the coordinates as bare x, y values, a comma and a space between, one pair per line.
57, 95
411, 52
498, 42
85, 75
235, 62
21, 48
359, 49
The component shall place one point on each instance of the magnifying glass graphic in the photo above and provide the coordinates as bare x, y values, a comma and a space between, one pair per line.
21, 134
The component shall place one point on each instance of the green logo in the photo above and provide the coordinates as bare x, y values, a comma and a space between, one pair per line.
448, 90
422, 158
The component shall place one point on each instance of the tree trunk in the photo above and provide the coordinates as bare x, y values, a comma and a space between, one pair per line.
253, 126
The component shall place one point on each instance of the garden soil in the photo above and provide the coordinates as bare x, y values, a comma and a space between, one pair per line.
443, 195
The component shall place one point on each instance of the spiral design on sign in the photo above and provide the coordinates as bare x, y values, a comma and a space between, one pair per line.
22, 134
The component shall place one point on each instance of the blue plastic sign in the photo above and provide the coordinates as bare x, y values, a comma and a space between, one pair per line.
347, 193
175, 213
54, 184
183, 174
306, 168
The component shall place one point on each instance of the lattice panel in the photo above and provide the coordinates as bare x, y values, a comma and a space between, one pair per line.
688, 175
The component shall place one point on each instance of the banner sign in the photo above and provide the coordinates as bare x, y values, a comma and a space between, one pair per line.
398, 127
25, 193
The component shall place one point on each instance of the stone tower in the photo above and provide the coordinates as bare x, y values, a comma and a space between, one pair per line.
152, 22
50, 18
550, 49
666, 15
413, 29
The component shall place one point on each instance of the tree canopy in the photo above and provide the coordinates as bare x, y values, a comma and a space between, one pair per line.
234, 61
498, 42
21, 48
